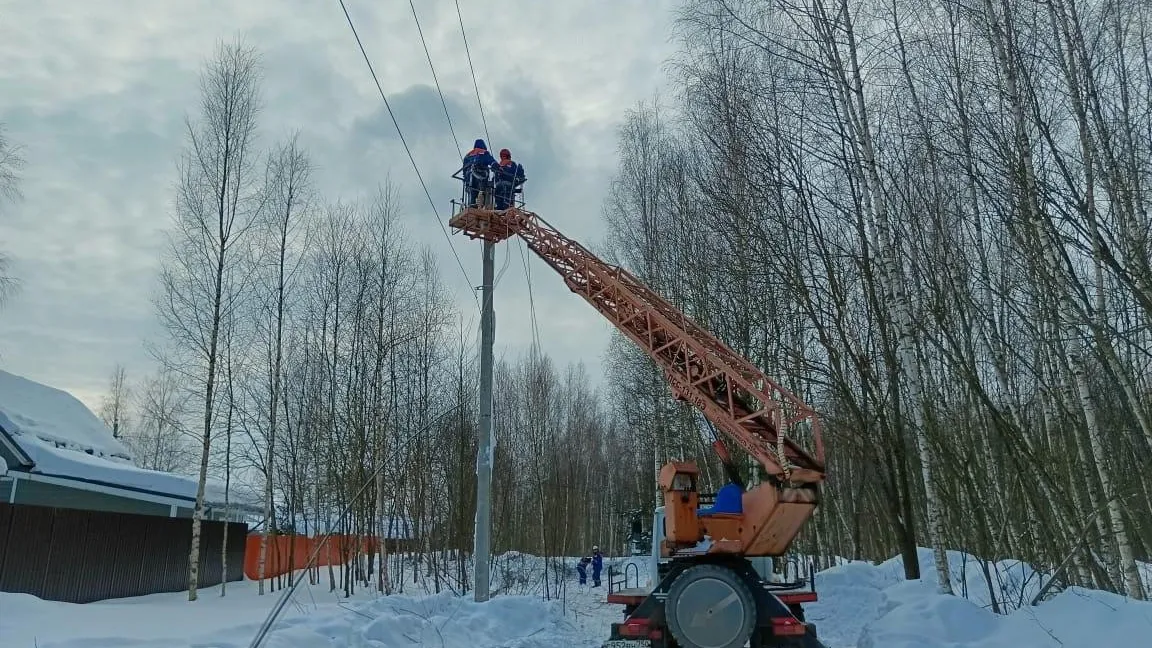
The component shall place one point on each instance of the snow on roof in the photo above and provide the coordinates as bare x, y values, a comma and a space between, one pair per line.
54, 417
65, 439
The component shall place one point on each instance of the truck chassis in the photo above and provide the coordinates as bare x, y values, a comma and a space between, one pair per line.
713, 601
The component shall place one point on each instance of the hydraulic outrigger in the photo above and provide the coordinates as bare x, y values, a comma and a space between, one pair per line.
709, 593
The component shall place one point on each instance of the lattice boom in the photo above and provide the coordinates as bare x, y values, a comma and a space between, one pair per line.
731, 392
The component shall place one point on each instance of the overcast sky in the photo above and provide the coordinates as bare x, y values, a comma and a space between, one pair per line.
96, 93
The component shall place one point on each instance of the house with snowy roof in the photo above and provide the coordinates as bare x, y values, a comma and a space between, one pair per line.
56, 452
80, 522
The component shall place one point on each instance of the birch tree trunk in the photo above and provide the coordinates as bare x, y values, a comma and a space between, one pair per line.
214, 207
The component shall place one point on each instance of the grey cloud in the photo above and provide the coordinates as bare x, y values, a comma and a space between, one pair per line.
99, 100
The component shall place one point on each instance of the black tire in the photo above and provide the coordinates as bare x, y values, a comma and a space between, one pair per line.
696, 623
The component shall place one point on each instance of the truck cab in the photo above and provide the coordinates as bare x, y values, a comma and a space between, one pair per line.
765, 566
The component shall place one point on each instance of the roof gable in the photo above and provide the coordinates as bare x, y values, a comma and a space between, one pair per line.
63, 438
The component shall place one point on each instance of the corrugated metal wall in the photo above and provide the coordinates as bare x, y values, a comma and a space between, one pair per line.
81, 556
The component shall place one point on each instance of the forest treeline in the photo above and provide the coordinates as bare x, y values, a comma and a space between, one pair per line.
315, 360
929, 220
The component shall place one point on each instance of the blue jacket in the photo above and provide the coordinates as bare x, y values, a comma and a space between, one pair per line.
512, 172
597, 561
729, 499
478, 161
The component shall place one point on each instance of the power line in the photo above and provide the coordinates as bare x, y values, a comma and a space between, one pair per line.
434, 78
531, 299
408, 150
523, 258
476, 85
500, 275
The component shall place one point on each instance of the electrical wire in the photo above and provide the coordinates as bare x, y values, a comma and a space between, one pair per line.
531, 299
408, 150
436, 80
503, 269
484, 120
523, 257
475, 85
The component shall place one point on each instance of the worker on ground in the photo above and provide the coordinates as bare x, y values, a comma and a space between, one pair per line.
509, 177
581, 568
477, 163
597, 564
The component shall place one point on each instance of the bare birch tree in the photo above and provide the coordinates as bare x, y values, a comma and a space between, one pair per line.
158, 438
938, 204
11, 162
113, 408
288, 195
217, 200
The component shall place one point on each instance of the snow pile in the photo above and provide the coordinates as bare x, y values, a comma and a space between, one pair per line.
439, 620
314, 618
872, 606
913, 616
1009, 584
861, 606
63, 438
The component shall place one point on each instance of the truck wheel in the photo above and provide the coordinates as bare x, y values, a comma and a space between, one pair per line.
709, 606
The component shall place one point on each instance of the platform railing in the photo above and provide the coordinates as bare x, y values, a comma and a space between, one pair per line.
488, 191
618, 579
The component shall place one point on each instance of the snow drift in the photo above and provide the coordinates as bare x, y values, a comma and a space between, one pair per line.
861, 606
315, 619
872, 606
438, 620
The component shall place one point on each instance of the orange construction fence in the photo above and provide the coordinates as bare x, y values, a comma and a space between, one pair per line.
294, 549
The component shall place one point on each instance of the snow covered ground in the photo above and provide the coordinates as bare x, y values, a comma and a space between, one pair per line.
315, 617
871, 606
861, 606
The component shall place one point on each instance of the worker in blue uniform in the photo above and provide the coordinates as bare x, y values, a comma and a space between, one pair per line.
477, 164
597, 564
509, 178
729, 499
582, 569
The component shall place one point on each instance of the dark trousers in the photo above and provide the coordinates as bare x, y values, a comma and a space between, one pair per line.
503, 194
583, 574
474, 186
595, 577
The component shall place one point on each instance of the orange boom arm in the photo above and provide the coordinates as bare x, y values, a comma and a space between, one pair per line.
743, 403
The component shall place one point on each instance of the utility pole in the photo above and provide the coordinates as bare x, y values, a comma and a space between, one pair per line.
483, 547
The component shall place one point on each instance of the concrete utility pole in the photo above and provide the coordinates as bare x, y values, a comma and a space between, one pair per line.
483, 547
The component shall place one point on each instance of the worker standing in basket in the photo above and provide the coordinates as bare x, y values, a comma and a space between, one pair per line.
509, 177
477, 163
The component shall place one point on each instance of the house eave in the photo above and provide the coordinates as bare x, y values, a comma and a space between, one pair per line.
128, 492
14, 449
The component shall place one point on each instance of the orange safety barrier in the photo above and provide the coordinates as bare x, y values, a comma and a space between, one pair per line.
295, 549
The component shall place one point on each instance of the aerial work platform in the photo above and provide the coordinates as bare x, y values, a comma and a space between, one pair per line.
489, 224
709, 594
